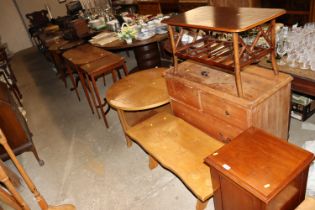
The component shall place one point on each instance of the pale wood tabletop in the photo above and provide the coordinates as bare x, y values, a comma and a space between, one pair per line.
139, 91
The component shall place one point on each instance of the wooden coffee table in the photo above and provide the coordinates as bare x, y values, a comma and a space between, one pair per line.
138, 96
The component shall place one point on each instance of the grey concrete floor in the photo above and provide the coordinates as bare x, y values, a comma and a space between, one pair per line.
85, 163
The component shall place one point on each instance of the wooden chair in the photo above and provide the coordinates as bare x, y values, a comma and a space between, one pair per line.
38, 19
11, 195
8, 75
149, 7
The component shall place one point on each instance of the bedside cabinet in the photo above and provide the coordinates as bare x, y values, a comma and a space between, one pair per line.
258, 171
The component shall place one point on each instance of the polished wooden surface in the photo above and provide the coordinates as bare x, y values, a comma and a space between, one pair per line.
226, 19
14, 126
179, 147
57, 44
263, 171
207, 98
139, 91
121, 44
84, 54
303, 79
71, 44
108, 64
235, 3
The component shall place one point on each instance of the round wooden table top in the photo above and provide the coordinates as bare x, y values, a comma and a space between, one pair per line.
139, 91
121, 44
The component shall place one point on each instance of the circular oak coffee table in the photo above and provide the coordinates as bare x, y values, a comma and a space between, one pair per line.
138, 96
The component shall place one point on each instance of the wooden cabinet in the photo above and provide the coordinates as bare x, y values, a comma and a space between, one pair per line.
207, 98
273, 177
14, 126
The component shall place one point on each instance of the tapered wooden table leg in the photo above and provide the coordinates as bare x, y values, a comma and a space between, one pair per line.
237, 66
152, 163
201, 205
273, 47
124, 125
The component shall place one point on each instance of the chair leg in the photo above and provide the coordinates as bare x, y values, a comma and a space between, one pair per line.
9, 200
40, 161
41, 201
15, 195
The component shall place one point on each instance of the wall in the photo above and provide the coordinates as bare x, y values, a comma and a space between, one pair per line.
12, 30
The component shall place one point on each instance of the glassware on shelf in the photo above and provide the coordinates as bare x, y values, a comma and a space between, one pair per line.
299, 48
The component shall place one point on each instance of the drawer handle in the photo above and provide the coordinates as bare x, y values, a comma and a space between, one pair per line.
224, 139
227, 113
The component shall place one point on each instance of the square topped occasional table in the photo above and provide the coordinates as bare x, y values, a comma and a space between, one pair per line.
230, 54
258, 171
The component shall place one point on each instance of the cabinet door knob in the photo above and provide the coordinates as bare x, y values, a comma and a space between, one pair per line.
227, 113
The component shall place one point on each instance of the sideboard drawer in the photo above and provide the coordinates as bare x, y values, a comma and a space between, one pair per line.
224, 110
184, 93
211, 125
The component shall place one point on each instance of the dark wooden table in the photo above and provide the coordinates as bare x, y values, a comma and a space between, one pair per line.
79, 56
147, 51
303, 79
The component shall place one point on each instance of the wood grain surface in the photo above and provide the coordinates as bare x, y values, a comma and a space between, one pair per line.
207, 98
263, 165
139, 91
84, 54
226, 19
179, 147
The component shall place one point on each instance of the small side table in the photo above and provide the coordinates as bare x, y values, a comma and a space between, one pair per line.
138, 96
79, 56
230, 55
259, 171
108, 64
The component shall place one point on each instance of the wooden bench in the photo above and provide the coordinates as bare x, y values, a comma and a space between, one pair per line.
180, 148
307, 204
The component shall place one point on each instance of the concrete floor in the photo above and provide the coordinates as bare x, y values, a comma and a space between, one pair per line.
85, 163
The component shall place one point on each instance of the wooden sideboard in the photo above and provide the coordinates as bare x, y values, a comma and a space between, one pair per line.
207, 98
14, 126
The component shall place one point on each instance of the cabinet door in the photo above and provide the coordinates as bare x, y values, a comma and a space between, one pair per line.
230, 196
